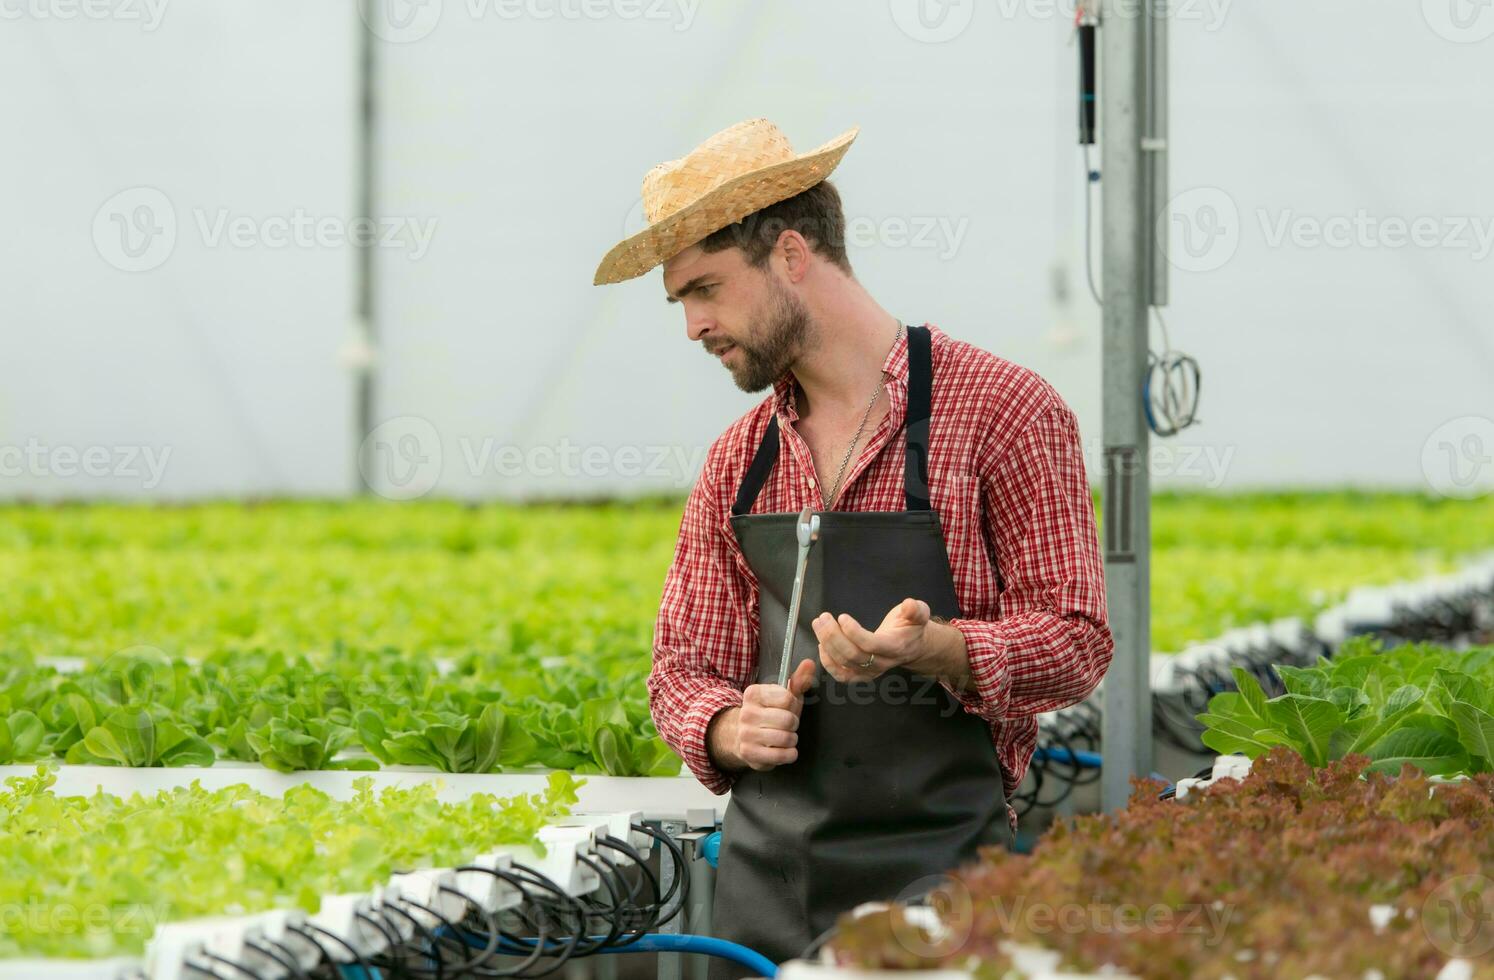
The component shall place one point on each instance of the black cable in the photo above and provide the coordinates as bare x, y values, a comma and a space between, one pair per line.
252, 975
653, 908
289, 962
352, 950
583, 944
613, 919
456, 969
680, 882
434, 951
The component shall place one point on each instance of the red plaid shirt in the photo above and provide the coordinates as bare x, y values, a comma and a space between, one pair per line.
1006, 476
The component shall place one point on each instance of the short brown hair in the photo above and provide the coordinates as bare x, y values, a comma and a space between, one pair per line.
816, 214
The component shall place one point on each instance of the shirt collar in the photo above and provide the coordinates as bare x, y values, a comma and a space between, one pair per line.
894, 374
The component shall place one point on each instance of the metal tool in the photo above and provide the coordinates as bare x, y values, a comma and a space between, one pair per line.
808, 528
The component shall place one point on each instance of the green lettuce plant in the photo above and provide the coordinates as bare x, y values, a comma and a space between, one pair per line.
1424, 705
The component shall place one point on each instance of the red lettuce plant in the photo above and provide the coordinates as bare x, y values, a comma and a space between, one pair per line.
1292, 872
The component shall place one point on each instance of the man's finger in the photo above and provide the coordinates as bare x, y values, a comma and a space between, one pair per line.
916, 610
781, 719
802, 679
773, 738
862, 637
762, 759
835, 642
769, 696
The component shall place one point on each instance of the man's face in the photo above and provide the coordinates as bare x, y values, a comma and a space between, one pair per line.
742, 315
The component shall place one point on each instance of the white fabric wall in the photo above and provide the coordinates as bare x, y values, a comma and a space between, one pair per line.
219, 360
519, 133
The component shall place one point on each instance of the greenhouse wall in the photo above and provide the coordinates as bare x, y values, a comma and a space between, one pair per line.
1322, 254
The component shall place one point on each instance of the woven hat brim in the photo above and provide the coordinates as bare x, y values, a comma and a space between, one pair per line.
722, 206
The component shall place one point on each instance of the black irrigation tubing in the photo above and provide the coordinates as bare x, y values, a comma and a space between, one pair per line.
649, 912
291, 964
239, 967
456, 969
358, 959
680, 881
583, 947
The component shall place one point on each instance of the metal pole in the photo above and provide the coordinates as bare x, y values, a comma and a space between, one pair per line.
1126, 240
702, 896
671, 966
364, 313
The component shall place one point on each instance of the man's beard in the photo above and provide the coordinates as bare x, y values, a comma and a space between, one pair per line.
777, 337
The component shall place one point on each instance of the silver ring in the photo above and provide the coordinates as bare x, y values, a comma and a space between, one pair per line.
869, 661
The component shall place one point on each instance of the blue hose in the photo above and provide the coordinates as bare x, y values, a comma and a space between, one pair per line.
1084, 760
657, 942
710, 848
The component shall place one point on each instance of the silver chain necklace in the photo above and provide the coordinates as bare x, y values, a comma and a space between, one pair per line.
865, 416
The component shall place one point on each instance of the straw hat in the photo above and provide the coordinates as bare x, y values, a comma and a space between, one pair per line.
741, 169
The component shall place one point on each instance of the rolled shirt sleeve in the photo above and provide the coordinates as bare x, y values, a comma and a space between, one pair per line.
705, 633
1051, 645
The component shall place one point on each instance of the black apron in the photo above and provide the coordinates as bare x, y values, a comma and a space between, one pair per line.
895, 782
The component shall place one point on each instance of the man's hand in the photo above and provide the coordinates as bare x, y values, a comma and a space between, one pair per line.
764, 732
906, 638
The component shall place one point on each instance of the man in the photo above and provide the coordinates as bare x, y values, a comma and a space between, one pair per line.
953, 592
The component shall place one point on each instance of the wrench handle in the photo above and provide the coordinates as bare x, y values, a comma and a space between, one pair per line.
792, 626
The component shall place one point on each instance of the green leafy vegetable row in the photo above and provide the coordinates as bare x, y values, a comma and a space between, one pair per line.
144, 709
545, 612
1427, 706
99, 873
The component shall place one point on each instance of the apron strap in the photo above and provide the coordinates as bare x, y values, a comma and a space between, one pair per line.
757, 473
916, 464
920, 408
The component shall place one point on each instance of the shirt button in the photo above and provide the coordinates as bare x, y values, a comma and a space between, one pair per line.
811, 482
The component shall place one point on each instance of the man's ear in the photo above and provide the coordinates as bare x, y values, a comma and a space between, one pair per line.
795, 252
